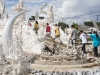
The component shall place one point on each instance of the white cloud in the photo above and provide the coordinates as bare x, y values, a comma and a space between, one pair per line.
82, 8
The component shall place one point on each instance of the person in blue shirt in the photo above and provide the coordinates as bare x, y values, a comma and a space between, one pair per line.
96, 42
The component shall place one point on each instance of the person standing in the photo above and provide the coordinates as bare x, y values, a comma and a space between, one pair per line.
48, 30
36, 27
83, 37
96, 42
57, 32
73, 36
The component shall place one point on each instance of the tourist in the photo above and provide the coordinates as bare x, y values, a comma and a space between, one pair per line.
73, 36
48, 30
29, 23
83, 37
36, 27
57, 32
96, 42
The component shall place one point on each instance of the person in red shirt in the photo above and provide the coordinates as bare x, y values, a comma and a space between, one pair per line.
48, 30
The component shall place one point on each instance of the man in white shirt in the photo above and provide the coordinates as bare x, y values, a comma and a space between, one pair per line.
83, 37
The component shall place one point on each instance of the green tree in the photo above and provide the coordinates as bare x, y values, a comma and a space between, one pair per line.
62, 25
88, 23
75, 25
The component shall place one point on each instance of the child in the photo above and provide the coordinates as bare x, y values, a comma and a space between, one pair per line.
83, 37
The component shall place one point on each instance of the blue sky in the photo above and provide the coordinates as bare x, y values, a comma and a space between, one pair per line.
71, 10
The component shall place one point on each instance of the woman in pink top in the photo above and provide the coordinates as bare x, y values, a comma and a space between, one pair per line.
48, 30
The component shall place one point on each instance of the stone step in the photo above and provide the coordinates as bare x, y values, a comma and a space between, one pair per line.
78, 62
61, 67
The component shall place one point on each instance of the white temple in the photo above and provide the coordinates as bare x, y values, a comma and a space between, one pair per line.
19, 49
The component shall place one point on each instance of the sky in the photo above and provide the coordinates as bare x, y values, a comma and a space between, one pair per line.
77, 11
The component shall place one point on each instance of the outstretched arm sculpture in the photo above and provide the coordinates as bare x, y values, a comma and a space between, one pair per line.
49, 13
41, 9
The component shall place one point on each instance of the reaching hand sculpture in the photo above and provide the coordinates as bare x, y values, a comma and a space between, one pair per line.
50, 13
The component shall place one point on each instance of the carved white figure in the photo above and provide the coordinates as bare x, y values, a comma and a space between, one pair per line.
49, 13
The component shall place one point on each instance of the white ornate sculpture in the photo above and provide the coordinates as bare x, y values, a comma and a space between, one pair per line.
20, 7
66, 36
3, 15
1, 9
7, 32
50, 13
34, 44
13, 51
